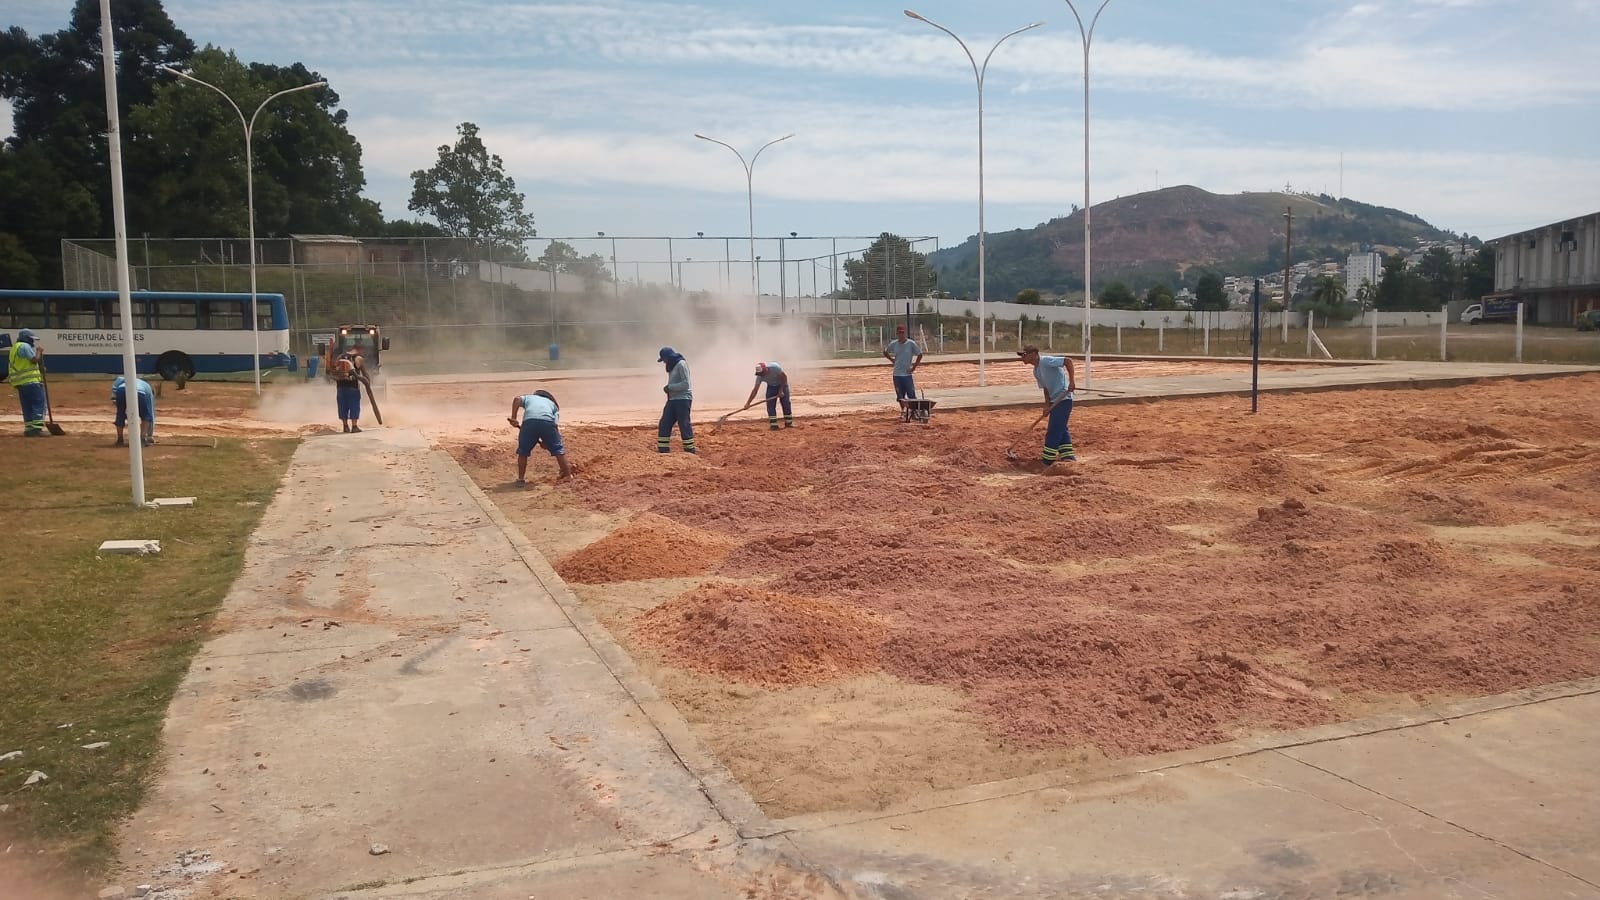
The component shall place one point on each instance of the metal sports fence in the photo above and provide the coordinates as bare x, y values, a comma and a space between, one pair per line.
428, 292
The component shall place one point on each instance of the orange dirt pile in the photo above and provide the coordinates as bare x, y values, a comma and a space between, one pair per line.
649, 546
747, 634
1200, 574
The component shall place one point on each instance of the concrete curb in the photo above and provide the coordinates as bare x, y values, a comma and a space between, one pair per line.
1145, 765
726, 795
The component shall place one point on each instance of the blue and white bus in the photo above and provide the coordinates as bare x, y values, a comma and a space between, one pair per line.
175, 334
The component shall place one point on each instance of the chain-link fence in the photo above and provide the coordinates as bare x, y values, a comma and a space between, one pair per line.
580, 294
444, 300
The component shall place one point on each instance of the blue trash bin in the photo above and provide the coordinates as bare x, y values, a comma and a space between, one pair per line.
311, 366
555, 352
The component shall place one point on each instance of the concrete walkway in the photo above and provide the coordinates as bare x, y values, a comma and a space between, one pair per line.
397, 666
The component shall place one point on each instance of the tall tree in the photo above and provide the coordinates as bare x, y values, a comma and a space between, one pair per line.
561, 256
1208, 294
1438, 272
1479, 277
308, 175
57, 94
469, 193
889, 268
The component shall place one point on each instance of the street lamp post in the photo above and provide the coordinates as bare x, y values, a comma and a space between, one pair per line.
1088, 294
750, 199
250, 191
978, 72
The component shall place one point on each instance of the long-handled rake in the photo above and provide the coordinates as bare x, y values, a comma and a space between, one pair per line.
1011, 451
723, 420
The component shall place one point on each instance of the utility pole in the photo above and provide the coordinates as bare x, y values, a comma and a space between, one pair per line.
1288, 231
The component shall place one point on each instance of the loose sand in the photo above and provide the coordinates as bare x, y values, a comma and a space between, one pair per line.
887, 608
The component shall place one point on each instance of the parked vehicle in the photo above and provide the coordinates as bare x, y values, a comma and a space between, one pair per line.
1490, 311
1589, 320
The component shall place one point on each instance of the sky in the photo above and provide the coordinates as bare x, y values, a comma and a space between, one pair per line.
1479, 115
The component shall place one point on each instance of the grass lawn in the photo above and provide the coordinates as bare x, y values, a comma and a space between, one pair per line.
92, 649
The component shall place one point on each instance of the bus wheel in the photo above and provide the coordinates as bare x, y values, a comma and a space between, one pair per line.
175, 365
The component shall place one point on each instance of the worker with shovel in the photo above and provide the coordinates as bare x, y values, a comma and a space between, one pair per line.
147, 409
777, 381
26, 373
1059, 381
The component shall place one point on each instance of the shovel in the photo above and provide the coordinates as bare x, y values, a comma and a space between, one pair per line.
50, 426
1011, 451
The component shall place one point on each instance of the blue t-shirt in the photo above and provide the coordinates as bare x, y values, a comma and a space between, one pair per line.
120, 386
905, 353
773, 375
537, 407
1051, 375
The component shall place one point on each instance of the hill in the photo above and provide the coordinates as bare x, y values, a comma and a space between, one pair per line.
1172, 235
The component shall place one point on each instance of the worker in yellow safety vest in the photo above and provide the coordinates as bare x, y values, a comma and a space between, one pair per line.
26, 376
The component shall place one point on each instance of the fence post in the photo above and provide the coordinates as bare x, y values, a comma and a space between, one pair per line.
1161, 338
1052, 334
1205, 337
1374, 350
1019, 331
1311, 327
1444, 333
1119, 338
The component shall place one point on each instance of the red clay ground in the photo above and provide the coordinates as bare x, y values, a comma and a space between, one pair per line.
856, 610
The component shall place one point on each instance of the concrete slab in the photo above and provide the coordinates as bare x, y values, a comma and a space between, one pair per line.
1261, 826
384, 677
1524, 778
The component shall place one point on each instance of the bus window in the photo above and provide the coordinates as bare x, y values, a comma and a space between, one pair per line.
264, 317
176, 315
18, 312
223, 315
73, 312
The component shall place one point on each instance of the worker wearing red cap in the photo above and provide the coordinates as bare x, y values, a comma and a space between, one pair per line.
777, 381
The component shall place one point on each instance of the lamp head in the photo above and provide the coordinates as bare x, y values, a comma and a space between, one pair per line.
911, 13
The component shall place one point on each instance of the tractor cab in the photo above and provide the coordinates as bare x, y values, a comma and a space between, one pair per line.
364, 340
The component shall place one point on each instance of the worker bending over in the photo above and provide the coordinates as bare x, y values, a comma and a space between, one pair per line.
147, 409
777, 381
541, 416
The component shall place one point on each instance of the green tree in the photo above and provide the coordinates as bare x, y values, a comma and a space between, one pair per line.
561, 256
1030, 297
889, 268
469, 193
1208, 294
41, 205
1367, 295
308, 175
1160, 297
1438, 272
1479, 276
57, 95
1328, 299
1117, 295
1400, 289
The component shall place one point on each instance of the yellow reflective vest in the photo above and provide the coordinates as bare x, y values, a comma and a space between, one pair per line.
22, 371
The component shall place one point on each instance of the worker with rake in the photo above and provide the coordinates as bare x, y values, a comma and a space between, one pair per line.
147, 409
1059, 381
679, 400
777, 381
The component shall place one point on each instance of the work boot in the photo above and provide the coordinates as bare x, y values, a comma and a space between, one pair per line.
773, 427
33, 432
